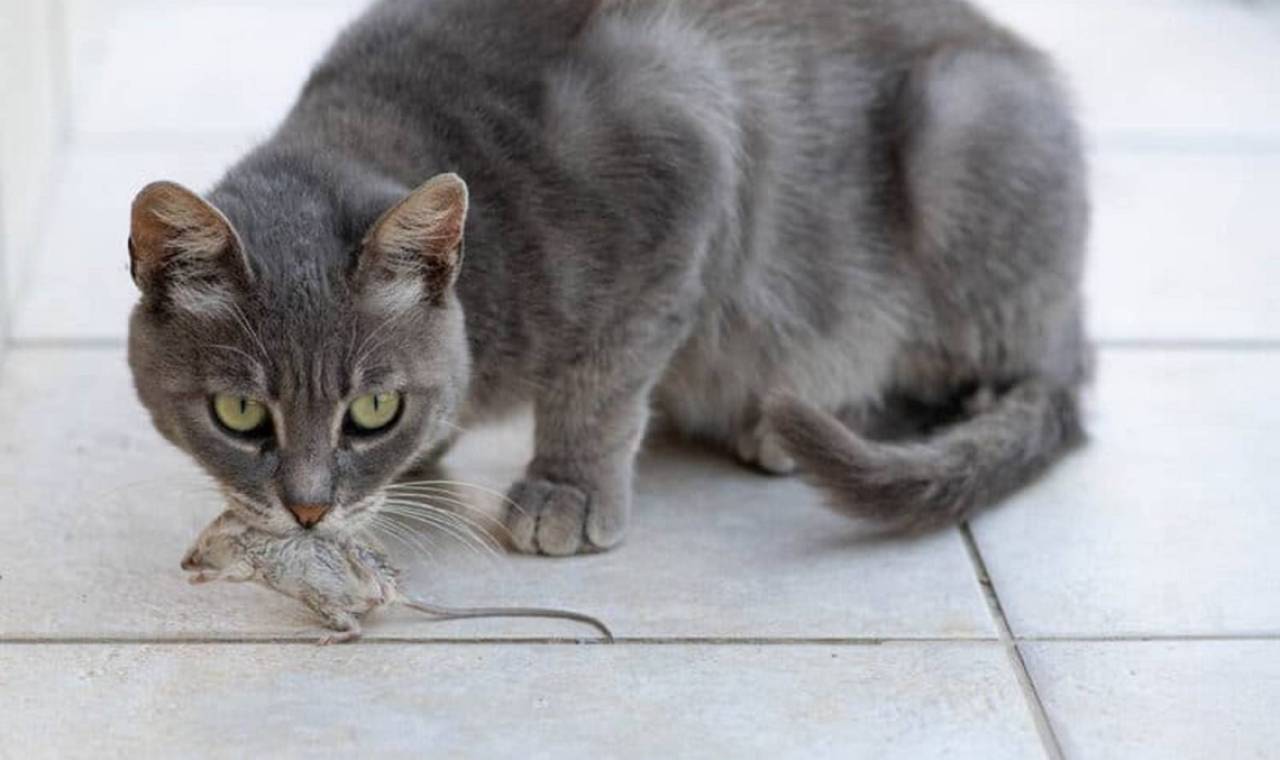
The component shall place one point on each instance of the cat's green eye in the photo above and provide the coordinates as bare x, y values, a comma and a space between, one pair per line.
374, 412
239, 414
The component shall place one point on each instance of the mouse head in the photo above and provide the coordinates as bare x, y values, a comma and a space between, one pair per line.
217, 547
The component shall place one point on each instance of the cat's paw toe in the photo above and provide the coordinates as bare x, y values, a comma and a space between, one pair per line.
558, 520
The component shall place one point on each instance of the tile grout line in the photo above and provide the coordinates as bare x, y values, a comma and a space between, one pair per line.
1144, 638
490, 640
711, 641
1048, 737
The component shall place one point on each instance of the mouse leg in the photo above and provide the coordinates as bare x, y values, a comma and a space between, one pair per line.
341, 637
240, 572
344, 625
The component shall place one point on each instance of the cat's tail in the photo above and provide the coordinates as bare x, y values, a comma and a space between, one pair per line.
940, 479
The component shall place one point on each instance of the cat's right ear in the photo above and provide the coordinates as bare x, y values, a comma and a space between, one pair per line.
183, 252
413, 252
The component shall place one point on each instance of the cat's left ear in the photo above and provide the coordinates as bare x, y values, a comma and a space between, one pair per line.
183, 253
414, 251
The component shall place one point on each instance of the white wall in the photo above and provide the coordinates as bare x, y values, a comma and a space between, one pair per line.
32, 123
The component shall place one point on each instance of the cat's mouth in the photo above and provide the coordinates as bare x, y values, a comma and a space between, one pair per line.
274, 519
264, 517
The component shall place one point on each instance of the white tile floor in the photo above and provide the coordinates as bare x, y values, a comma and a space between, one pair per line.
1133, 608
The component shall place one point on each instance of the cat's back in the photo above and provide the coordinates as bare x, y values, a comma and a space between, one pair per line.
477, 50
632, 121
481, 86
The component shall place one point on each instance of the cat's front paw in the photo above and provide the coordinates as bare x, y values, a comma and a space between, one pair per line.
559, 520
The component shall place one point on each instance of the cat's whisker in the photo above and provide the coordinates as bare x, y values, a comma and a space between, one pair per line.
446, 516
473, 515
429, 526
447, 522
243, 321
365, 348
501, 496
489, 530
448, 494
413, 541
474, 526
422, 542
451, 497
453, 425
359, 353
232, 349
453, 533
465, 509
367, 534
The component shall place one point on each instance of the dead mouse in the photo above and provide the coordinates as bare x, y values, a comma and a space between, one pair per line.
339, 579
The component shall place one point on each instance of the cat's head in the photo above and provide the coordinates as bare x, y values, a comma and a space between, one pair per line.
303, 364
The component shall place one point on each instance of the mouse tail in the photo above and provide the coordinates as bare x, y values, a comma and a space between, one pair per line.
458, 613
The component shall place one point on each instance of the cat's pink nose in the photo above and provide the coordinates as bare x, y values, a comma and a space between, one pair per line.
308, 514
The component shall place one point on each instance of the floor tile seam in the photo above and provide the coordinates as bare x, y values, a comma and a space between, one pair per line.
867, 642
1031, 695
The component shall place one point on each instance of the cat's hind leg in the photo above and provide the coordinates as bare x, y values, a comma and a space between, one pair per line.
992, 165
758, 445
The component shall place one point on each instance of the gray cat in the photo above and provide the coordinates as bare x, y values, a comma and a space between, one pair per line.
839, 236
